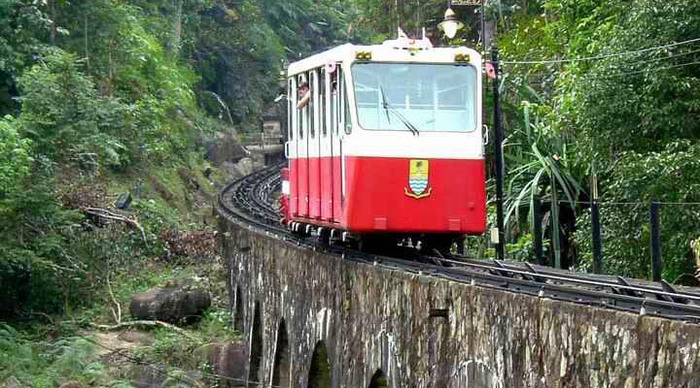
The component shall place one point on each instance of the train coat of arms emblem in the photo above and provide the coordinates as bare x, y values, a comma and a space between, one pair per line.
418, 179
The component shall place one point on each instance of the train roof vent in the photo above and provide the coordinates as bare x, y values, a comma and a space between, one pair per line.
403, 42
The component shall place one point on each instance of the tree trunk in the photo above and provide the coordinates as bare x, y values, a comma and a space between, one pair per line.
176, 36
87, 51
54, 24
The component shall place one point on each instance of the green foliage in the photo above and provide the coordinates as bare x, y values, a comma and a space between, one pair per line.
619, 126
63, 115
21, 24
671, 175
43, 364
15, 159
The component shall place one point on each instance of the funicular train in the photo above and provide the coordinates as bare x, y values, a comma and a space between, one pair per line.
386, 144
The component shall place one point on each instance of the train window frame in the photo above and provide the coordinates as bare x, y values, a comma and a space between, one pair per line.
335, 97
300, 112
312, 76
322, 102
343, 103
477, 79
291, 115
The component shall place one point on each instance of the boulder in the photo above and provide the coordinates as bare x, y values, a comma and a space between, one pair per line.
227, 360
12, 382
138, 337
224, 148
71, 384
148, 376
173, 303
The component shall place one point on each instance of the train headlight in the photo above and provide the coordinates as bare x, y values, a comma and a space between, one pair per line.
363, 55
462, 58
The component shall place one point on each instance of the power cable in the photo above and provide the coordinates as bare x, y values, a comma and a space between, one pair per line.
630, 203
650, 70
598, 57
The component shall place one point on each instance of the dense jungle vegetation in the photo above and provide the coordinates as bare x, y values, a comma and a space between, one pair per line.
601, 100
103, 90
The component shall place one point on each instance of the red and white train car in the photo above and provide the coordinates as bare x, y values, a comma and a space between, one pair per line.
389, 144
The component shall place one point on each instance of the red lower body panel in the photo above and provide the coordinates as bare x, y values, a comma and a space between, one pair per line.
380, 198
314, 188
326, 185
303, 187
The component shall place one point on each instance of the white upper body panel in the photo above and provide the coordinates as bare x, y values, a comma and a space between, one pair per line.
401, 143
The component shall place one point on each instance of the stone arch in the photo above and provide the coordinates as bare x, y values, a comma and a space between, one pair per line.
256, 349
238, 310
282, 367
379, 380
320, 369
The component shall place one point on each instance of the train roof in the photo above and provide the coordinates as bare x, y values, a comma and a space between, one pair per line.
402, 49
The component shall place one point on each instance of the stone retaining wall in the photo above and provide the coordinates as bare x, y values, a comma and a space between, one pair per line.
371, 319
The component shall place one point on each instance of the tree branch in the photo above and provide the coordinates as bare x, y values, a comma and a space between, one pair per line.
150, 324
104, 213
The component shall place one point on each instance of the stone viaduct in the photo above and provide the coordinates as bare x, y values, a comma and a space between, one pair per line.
314, 320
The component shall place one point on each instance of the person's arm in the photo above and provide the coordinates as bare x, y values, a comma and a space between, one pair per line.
304, 100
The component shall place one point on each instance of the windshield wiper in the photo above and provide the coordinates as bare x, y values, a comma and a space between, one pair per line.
388, 108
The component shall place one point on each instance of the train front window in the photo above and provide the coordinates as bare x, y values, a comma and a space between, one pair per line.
415, 97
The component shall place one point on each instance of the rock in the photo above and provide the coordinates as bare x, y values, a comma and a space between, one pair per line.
12, 382
71, 384
224, 148
174, 303
148, 376
244, 167
227, 360
138, 337
123, 201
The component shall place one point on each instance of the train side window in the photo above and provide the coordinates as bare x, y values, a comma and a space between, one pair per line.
348, 124
313, 88
343, 108
291, 112
334, 103
322, 102
340, 88
300, 112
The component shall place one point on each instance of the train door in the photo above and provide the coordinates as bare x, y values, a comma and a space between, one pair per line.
314, 153
337, 107
326, 145
303, 154
291, 146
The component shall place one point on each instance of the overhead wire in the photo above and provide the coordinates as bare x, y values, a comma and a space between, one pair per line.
598, 57
630, 203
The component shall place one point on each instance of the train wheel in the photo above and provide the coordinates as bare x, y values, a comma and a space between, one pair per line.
323, 236
440, 246
372, 244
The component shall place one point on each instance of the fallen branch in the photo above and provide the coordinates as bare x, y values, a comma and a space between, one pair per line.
104, 213
118, 313
150, 324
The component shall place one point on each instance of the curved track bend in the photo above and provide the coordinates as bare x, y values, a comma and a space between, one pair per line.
252, 201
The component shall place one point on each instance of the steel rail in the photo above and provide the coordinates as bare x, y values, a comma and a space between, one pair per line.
248, 200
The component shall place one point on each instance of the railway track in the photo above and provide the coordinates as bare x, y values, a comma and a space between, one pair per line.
251, 200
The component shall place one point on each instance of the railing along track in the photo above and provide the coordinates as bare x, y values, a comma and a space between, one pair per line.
250, 201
